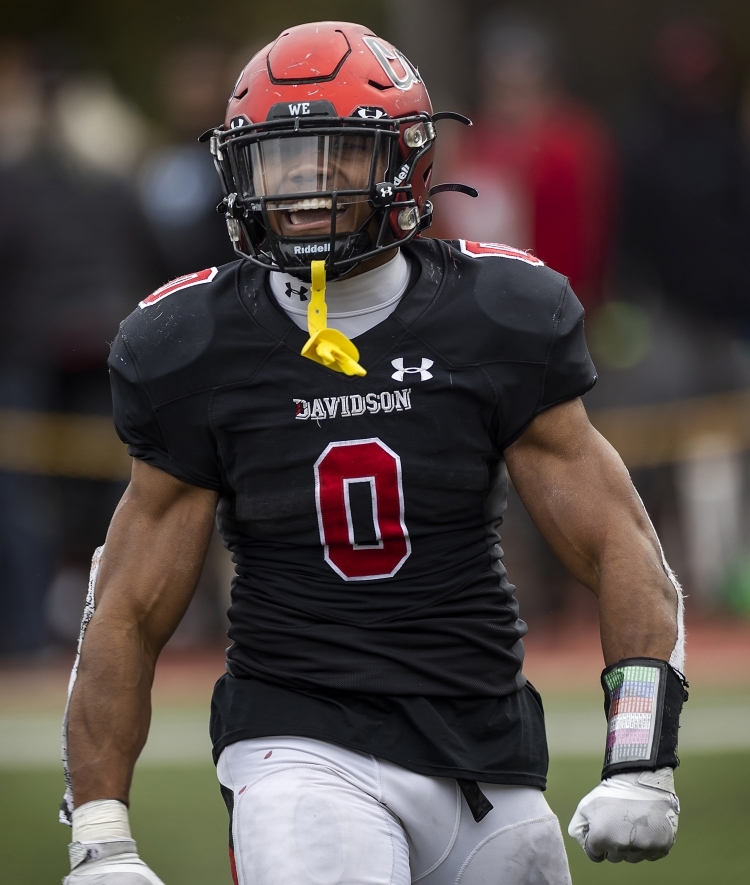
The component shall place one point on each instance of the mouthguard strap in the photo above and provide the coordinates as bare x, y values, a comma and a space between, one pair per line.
329, 347
317, 309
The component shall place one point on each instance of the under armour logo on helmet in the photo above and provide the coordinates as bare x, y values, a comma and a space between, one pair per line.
369, 113
398, 365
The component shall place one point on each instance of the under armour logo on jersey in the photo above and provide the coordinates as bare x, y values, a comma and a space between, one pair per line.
398, 365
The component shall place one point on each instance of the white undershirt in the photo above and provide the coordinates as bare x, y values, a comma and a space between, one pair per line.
354, 305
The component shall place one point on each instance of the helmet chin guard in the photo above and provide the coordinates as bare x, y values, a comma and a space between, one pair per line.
326, 151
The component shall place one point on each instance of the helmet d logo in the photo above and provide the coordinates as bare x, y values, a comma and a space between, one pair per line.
385, 55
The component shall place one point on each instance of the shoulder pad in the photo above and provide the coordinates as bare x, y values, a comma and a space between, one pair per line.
497, 304
174, 325
185, 335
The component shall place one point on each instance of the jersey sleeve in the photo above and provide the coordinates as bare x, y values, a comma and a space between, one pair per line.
570, 371
174, 437
566, 372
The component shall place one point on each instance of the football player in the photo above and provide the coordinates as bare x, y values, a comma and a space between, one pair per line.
347, 397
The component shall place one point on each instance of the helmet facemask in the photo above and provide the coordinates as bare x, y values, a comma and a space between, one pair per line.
300, 190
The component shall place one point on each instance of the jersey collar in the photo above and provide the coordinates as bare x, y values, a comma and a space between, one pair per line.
426, 279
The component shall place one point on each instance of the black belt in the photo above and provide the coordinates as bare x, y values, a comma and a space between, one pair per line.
479, 805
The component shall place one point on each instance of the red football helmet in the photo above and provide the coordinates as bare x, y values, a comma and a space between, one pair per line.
326, 151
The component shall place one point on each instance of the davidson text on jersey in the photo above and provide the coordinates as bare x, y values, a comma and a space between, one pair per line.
353, 405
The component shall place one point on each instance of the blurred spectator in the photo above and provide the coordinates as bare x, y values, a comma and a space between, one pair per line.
687, 187
745, 112
179, 190
542, 161
20, 102
545, 168
685, 278
178, 184
98, 127
76, 255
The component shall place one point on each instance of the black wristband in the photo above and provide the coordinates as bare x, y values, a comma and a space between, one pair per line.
643, 699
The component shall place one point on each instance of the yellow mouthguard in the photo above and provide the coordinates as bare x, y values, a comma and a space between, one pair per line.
329, 347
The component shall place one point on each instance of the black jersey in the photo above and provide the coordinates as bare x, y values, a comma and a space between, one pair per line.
362, 512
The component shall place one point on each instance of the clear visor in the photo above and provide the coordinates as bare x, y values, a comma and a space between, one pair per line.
304, 164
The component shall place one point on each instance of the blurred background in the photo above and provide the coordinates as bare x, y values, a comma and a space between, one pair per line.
612, 138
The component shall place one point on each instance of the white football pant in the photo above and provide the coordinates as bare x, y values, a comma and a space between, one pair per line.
307, 812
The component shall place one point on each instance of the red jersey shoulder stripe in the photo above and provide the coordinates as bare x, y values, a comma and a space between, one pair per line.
498, 250
191, 279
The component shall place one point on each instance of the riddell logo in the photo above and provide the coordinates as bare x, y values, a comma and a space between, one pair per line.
403, 172
311, 249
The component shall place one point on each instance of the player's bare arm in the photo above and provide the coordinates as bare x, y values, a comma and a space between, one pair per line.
153, 556
579, 494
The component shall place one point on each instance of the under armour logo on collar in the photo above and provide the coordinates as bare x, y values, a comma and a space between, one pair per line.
398, 365
301, 292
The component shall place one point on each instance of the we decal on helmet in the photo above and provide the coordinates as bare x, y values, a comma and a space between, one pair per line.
498, 250
301, 109
191, 279
386, 54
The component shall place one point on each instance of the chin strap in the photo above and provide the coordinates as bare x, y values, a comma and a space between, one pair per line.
329, 347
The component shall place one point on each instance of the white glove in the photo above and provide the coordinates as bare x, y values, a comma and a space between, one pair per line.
630, 817
108, 863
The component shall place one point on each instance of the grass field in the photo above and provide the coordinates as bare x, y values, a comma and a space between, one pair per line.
179, 821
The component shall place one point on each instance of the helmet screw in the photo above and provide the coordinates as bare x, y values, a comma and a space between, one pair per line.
415, 136
233, 228
408, 218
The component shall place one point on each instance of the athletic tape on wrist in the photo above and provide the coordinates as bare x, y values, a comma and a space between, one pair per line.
101, 820
643, 699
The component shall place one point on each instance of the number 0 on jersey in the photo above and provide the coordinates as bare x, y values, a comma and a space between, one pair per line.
360, 499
